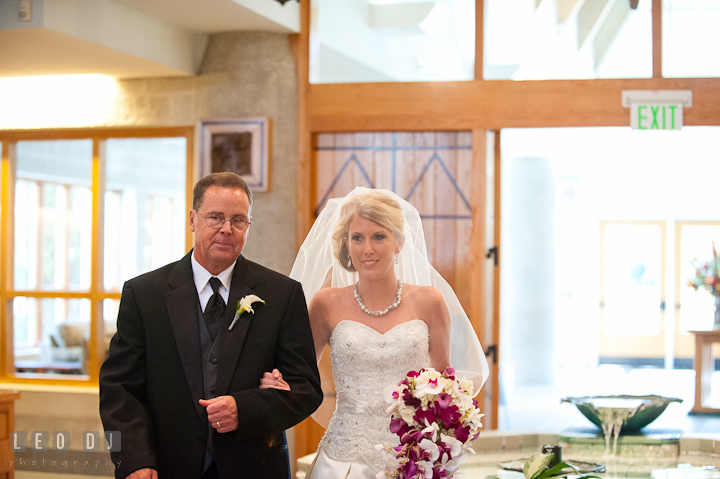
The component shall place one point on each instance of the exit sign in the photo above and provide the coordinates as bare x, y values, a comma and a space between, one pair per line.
660, 116
656, 109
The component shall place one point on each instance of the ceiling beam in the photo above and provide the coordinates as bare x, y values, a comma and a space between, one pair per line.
494, 104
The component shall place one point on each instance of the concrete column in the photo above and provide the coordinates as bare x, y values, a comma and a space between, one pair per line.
527, 253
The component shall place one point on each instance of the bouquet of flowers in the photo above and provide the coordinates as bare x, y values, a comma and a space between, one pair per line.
706, 275
436, 418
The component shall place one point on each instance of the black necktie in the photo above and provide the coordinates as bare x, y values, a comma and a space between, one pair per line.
214, 309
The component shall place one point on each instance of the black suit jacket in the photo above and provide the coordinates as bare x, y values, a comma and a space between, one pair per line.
151, 381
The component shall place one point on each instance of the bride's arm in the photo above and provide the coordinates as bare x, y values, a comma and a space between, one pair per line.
319, 311
437, 317
321, 335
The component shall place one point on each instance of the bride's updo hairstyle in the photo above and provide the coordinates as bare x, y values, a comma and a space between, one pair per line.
381, 209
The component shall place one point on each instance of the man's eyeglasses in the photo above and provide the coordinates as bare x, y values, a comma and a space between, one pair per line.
217, 222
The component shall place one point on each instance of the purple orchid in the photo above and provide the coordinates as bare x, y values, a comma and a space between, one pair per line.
421, 415
410, 400
462, 433
450, 416
444, 400
399, 426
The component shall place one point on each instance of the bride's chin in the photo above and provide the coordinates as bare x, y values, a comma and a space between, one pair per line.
373, 273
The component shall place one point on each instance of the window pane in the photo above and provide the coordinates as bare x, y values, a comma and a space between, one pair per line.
110, 313
384, 41
53, 215
697, 307
51, 335
531, 40
691, 38
632, 279
144, 213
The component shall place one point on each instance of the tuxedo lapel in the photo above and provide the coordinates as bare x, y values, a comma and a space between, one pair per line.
182, 305
231, 341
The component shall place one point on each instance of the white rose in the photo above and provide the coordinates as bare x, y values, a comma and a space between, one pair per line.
407, 415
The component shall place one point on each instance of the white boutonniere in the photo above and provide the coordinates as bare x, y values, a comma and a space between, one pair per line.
245, 304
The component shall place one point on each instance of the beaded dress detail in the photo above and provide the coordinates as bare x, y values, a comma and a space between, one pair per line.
364, 362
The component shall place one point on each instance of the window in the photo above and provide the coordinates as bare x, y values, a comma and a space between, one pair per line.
381, 41
530, 40
84, 211
691, 39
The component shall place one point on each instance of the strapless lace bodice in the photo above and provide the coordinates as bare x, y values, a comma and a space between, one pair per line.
364, 362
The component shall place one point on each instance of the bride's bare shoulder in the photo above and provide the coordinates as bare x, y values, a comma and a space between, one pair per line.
429, 304
424, 295
330, 296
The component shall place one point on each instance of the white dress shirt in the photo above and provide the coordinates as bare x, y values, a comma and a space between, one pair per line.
201, 276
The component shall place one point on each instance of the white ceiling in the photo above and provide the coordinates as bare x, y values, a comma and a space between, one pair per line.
127, 38
211, 16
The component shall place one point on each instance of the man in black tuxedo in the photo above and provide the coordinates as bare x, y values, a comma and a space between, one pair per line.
181, 378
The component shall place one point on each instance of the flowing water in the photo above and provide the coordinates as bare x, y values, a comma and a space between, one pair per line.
613, 413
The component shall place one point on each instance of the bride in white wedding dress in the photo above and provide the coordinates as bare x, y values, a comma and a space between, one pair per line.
384, 311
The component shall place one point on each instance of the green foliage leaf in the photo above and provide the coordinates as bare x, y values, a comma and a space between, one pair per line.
556, 470
536, 465
537, 468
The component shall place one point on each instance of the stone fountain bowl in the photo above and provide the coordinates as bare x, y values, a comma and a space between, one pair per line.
646, 409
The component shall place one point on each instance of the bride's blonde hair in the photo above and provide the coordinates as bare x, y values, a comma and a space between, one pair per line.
373, 206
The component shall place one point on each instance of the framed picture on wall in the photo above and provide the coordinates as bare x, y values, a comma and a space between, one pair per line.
240, 145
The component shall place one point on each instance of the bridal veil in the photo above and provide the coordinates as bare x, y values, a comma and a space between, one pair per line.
316, 267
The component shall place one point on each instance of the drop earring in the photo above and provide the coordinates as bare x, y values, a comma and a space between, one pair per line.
349, 263
397, 258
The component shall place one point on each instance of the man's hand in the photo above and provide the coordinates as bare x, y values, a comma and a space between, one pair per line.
146, 473
274, 380
222, 413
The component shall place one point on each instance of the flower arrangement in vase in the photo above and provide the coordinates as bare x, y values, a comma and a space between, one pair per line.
707, 277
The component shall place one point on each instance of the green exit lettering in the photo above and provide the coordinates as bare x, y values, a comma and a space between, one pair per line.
656, 117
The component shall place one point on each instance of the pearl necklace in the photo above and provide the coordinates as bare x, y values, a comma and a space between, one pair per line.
395, 304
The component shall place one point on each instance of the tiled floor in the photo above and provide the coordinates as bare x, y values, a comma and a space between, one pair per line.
539, 407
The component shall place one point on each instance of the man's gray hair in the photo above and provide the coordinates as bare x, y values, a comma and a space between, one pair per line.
225, 179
